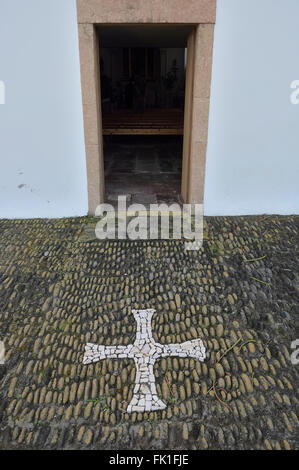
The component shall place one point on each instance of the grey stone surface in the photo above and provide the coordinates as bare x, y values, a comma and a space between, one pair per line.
234, 295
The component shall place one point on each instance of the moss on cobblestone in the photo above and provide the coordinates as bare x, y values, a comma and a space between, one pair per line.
59, 291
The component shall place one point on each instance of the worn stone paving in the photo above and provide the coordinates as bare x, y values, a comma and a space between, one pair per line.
59, 292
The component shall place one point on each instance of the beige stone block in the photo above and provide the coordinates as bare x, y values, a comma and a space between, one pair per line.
204, 40
197, 172
92, 128
89, 64
149, 11
95, 177
200, 120
188, 116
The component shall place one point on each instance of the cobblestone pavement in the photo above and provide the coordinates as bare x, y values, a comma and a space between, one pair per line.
59, 292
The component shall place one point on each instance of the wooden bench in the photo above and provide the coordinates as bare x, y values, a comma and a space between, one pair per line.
152, 121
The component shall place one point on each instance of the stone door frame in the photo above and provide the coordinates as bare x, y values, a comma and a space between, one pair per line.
201, 14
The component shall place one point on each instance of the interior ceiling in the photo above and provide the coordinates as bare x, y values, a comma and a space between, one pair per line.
144, 35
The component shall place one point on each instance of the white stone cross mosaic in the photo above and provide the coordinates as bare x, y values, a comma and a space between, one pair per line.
145, 351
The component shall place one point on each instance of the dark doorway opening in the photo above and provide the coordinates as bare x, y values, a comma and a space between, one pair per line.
142, 71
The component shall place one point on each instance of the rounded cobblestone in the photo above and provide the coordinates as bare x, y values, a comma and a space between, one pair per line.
83, 291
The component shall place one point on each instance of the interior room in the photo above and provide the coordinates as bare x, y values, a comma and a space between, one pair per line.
142, 75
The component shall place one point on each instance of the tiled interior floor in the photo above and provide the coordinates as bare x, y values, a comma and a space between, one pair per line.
145, 168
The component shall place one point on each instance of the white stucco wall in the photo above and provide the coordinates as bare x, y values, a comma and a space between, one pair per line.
253, 146
43, 172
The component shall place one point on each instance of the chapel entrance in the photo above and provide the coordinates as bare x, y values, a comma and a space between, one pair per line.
143, 35
142, 80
